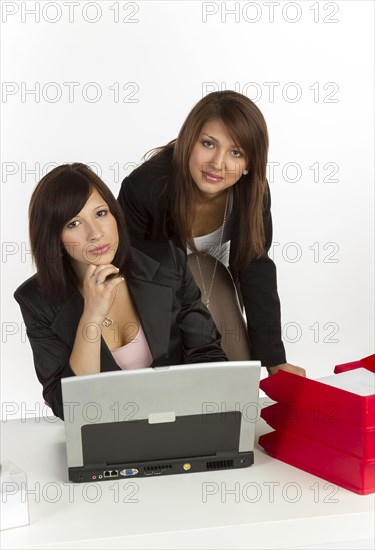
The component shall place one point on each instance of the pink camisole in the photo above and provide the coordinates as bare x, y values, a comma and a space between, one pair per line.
135, 355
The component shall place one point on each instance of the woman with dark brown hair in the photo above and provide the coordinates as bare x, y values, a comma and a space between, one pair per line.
207, 191
97, 304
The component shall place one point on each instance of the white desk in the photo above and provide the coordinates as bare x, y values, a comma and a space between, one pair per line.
222, 509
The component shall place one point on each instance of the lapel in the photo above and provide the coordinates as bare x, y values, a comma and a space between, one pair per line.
153, 302
65, 326
65, 322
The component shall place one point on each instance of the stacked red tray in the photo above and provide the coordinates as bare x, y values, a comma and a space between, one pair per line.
324, 430
367, 363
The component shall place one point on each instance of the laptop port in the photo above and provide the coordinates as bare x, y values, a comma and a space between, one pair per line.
129, 472
110, 473
157, 470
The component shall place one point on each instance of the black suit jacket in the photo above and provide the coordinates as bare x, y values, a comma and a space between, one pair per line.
178, 328
144, 198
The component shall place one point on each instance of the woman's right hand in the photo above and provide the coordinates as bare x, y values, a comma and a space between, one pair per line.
98, 292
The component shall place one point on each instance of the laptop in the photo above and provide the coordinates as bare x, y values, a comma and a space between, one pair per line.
159, 421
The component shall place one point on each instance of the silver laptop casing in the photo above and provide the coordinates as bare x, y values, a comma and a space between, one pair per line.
160, 394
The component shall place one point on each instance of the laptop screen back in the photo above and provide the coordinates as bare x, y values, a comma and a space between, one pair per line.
160, 413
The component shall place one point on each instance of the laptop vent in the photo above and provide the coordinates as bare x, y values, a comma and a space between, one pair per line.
157, 469
219, 464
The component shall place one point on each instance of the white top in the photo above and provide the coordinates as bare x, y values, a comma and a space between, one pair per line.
210, 243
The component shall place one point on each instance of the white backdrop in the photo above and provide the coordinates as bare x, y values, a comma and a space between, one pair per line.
103, 82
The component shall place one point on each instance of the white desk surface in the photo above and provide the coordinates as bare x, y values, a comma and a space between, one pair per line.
220, 509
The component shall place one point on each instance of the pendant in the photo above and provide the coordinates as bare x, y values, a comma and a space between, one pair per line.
107, 322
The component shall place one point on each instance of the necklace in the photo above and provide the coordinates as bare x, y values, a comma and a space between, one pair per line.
207, 295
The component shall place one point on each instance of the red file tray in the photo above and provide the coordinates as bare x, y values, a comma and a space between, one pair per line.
322, 461
366, 363
349, 438
325, 400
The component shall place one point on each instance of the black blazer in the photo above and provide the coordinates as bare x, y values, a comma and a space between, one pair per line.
144, 198
178, 328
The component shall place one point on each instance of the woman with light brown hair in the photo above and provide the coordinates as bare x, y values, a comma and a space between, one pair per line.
207, 191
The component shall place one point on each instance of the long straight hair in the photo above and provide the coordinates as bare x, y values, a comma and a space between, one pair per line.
57, 198
247, 127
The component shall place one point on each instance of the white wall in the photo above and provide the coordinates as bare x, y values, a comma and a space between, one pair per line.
107, 90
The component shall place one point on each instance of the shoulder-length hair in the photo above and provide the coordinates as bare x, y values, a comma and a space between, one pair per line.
57, 198
247, 127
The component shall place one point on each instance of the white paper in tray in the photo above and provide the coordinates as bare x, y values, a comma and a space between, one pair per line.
360, 381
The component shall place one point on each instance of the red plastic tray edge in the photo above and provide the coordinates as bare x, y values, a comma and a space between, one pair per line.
366, 363
296, 464
282, 385
305, 410
296, 433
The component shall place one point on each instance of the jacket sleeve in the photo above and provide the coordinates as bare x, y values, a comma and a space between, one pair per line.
51, 354
258, 283
144, 200
201, 340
